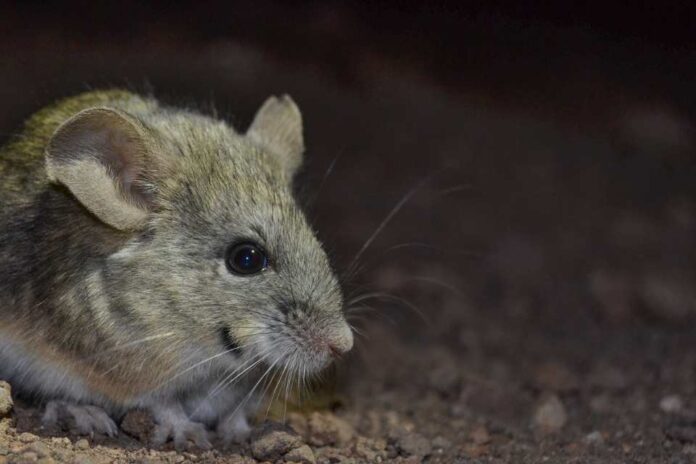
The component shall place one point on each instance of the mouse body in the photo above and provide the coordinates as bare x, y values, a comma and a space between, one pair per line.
155, 258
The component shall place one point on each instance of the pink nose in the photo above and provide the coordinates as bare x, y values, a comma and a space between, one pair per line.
341, 342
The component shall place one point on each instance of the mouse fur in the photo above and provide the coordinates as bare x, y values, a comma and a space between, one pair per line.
116, 216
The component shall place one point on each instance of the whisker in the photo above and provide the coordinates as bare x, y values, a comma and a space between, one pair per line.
393, 298
222, 353
455, 189
248, 396
227, 381
400, 204
430, 280
328, 172
129, 344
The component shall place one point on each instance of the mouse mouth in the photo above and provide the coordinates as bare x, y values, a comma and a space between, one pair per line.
228, 342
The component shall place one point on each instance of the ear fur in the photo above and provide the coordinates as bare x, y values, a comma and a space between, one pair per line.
277, 127
99, 155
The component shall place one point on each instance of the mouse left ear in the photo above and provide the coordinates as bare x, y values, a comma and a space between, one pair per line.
277, 127
100, 156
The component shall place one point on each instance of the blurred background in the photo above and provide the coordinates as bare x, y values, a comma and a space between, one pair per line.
547, 156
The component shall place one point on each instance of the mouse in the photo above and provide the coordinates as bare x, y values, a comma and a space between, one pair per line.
155, 258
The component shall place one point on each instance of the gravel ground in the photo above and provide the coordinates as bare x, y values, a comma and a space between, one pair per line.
536, 298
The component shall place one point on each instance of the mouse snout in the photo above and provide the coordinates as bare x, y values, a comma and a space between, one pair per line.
340, 340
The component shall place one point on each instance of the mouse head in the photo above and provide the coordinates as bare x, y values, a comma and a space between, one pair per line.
216, 253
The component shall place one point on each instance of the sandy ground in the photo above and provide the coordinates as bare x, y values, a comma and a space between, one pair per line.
536, 292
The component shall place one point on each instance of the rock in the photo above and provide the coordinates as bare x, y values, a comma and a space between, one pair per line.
82, 459
414, 444
41, 449
27, 437
480, 436
302, 454
408, 460
330, 455
369, 450
672, 404
29, 456
138, 424
550, 415
272, 441
594, 438
6, 403
298, 422
474, 451
555, 377
326, 429
441, 443
82, 443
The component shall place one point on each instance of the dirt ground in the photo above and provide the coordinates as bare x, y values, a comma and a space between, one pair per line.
534, 299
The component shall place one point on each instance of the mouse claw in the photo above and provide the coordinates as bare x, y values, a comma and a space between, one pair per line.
87, 419
174, 424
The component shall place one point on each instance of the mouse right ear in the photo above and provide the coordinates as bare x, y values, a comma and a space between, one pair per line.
99, 155
277, 127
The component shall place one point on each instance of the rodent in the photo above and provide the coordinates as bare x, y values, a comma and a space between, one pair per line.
155, 258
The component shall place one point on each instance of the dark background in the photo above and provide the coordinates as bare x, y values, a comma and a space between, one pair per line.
552, 148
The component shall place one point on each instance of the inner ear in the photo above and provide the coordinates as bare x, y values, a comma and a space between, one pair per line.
100, 156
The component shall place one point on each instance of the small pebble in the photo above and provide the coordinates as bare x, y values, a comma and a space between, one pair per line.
30, 456
302, 454
82, 444
40, 449
272, 441
550, 415
415, 444
671, 404
27, 437
594, 438
441, 443
6, 403
480, 435
326, 429
82, 459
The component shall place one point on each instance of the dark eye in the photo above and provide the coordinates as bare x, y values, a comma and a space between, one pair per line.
246, 259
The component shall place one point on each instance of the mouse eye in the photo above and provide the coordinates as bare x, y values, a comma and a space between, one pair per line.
246, 259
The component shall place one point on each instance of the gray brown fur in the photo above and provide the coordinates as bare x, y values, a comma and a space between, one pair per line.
113, 285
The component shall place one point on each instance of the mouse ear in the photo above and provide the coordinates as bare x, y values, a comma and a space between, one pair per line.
99, 155
277, 127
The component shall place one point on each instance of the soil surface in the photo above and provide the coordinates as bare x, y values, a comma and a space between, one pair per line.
532, 301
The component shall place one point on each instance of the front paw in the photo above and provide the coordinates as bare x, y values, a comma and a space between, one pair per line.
174, 424
87, 419
234, 428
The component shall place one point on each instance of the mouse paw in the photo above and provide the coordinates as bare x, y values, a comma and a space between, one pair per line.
87, 419
174, 424
233, 428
